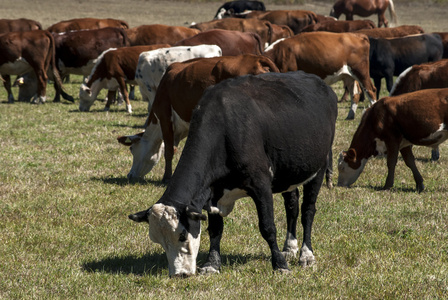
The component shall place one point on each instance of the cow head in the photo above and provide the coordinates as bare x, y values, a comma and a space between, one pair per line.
349, 167
27, 86
146, 148
178, 232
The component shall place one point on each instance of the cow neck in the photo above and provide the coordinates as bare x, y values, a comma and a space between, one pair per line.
364, 138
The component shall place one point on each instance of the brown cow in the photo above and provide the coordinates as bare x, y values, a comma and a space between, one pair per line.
12, 25
22, 52
230, 42
392, 125
331, 56
294, 19
177, 95
86, 23
444, 36
113, 70
268, 32
159, 34
365, 8
399, 31
340, 26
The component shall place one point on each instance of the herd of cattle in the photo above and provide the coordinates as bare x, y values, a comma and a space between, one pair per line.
236, 85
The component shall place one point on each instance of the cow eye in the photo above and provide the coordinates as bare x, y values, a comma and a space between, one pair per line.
183, 236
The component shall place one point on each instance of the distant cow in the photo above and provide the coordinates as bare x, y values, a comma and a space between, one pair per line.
399, 31
268, 32
390, 57
13, 25
230, 42
159, 34
331, 56
152, 65
113, 69
249, 136
365, 8
392, 125
340, 26
238, 7
178, 93
86, 23
28, 51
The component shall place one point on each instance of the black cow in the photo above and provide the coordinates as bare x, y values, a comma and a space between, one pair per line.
237, 7
249, 136
390, 57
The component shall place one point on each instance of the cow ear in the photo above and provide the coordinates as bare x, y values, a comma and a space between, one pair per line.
128, 140
351, 154
195, 215
141, 216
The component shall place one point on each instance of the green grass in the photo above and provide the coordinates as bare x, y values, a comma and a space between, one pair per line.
64, 201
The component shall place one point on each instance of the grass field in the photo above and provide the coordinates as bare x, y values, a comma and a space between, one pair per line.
64, 231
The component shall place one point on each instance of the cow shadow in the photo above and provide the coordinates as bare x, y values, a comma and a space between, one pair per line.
155, 264
122, 181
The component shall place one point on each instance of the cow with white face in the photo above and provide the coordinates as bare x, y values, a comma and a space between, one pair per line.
152, 65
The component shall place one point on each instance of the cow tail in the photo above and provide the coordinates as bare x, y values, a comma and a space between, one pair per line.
57, 78
393, 15
126, 39
260, 43
271, 65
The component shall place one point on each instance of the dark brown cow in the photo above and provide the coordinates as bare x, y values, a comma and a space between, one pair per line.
340, 26
398, 31
268, 32
392, 125
159, 34
230, 42
177, 95
22, 52
444, 36
13, 25
113, 70
365, 8
331, 56
86, 23
294, 19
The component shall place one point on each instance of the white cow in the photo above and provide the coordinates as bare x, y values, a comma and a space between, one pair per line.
152, 65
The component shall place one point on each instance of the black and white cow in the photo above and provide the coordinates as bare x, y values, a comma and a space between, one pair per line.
390, 57
238, 7
249, 136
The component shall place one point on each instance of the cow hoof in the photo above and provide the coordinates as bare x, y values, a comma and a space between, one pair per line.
306, 257
283, 271
289, 255
206, 270
106, 108
420, 187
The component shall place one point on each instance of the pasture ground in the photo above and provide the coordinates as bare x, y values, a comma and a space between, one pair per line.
64, 200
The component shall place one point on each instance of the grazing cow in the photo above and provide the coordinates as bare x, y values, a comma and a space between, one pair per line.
392, 125
340, 26
400, 31
250, 136
268, 32
159, 34
86, 23
230, 42
22, 52
178, 93
152, 65
12, 25
390, 57
365, 8
113, 69
331, 56
294, 19
238, 7
444, 36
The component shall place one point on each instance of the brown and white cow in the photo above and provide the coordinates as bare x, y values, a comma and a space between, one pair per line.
340, 26
159, 34
331, 56
113, 69
392, 125
268, 32
12, 25
179, 91
22, 52
86, 23
230, 42
392, 32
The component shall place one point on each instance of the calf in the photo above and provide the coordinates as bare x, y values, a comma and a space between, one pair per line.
238, 7
392, 125
86, 23
152, 65
159, 34
11, 25
178, 93
331, 56
250, 136
113, 69
390, 57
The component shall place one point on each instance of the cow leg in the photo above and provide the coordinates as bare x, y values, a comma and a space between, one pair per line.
409, 159
382, 20
389, 82
124, 92
41, 87
435, 154
310, 193
110, 99
131, 92
168, 139
7, 85
392, 157
291, 200
352, 86
377, 82
215, 229
329, 170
